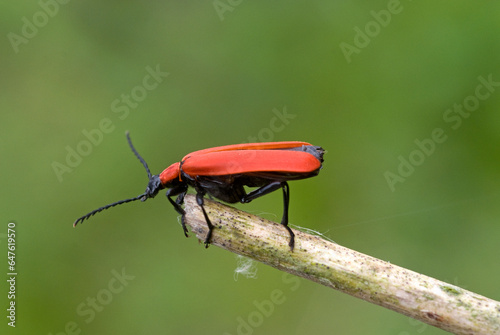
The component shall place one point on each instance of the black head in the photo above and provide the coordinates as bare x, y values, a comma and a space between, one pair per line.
154, 186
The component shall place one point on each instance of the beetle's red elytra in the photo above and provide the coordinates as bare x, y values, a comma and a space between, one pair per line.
222, 172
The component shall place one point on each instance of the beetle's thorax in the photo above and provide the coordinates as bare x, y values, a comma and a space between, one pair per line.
170, 174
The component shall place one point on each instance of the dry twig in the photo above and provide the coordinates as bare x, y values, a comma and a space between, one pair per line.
423, 298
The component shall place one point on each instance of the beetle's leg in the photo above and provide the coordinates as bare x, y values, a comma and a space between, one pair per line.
286, 200
200, 193
181, 192
180, 198
271, 187
284, 220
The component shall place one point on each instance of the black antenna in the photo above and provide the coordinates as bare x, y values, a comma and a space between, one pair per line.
137, 155
88, 215
141, 197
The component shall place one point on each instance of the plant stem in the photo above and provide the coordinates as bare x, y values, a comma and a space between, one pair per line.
423, 298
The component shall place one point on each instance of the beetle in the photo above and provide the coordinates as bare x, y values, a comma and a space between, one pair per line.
223, 171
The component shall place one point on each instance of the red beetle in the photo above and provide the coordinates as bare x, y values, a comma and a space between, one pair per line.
222, 172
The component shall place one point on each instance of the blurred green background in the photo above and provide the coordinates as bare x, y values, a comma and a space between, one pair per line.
365, 80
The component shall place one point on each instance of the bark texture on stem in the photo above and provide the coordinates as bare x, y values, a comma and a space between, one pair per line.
423, 298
